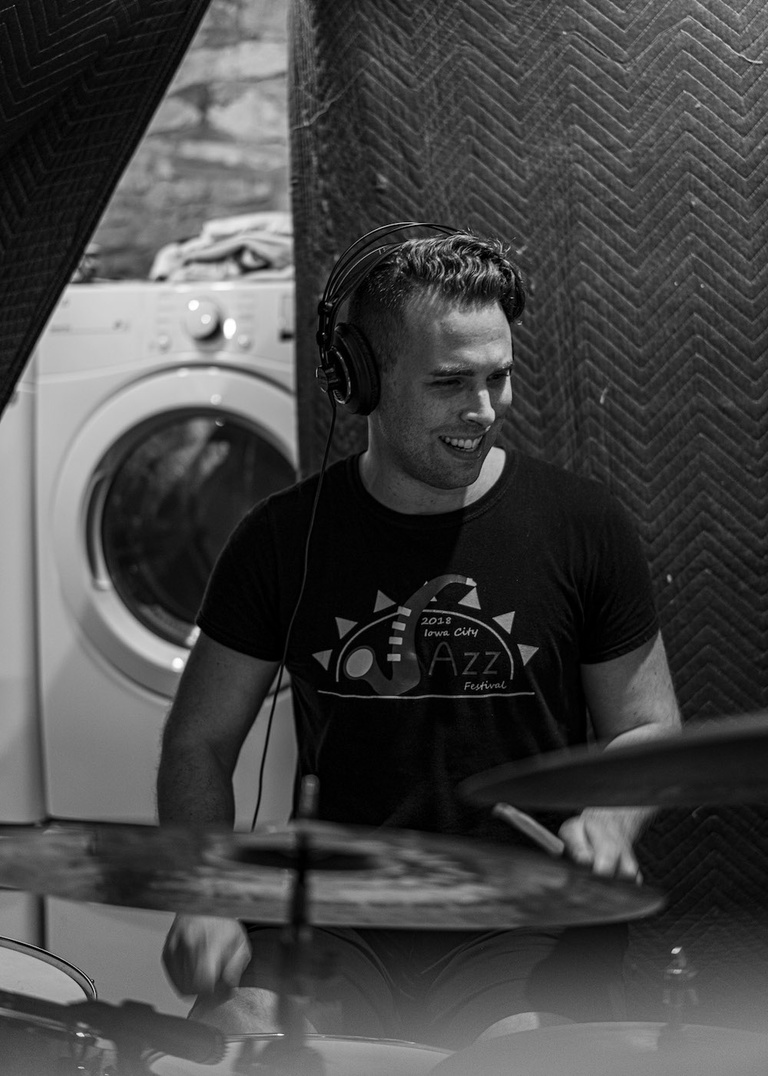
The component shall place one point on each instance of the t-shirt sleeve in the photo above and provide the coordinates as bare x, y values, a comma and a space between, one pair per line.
620, 608
240, 606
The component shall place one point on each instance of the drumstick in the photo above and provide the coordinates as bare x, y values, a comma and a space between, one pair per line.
530, 827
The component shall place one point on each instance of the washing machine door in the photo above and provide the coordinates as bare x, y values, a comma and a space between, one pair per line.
147, 495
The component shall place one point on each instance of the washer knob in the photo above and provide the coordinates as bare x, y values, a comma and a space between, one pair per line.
202, 319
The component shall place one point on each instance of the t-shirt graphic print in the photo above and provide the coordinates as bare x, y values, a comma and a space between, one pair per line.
438, 643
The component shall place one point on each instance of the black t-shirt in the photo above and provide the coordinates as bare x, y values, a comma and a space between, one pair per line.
428, 648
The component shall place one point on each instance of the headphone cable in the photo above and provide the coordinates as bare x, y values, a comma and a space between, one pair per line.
304, 577
353, 265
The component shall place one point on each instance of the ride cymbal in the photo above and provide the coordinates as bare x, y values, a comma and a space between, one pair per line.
720, 762
356, 877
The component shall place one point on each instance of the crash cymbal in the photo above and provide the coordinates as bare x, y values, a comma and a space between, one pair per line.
357, 877
617, 1048
720, 762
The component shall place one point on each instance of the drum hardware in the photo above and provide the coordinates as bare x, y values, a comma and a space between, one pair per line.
360, 877
288, 1054
679, 993
134, 1028
717, 762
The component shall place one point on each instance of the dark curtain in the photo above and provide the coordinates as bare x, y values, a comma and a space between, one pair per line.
79, 82
620, 149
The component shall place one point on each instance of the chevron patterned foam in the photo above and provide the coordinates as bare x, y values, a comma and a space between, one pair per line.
81, 79
620, 149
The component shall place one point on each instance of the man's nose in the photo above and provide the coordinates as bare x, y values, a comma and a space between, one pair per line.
480, 408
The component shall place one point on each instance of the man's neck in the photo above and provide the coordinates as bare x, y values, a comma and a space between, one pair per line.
406, 495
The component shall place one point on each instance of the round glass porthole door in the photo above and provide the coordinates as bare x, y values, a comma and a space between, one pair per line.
169, 499
145, 498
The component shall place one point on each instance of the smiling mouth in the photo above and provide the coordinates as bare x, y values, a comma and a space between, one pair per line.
463, 444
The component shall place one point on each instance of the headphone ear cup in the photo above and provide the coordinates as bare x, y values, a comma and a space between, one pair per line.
354, 361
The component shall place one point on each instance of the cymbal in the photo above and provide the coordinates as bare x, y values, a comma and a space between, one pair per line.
357, 877
720, 762
605, 1049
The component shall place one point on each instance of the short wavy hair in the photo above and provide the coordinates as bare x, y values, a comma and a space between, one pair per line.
460, 268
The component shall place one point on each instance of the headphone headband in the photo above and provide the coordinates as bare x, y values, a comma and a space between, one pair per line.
354, 264
348, 370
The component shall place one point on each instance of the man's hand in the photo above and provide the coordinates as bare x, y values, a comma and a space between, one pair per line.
602, 838
203, 952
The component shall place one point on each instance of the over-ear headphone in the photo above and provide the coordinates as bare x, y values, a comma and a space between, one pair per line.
348, 369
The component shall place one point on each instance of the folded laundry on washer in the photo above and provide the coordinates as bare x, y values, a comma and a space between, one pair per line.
227, 248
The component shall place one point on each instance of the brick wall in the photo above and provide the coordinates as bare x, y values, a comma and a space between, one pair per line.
216, 147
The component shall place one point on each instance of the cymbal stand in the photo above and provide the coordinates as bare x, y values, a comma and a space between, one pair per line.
679, 993
290, 1055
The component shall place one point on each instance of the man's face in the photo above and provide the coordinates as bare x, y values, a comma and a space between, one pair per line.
442, 403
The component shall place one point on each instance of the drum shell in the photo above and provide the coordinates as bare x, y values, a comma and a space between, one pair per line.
341, 1056
27, 969
34, 1045
615, 1049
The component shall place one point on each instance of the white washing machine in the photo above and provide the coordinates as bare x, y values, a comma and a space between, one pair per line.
21, 784
21, 779
163, 412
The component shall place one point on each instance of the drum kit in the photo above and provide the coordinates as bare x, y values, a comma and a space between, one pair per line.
311, 873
